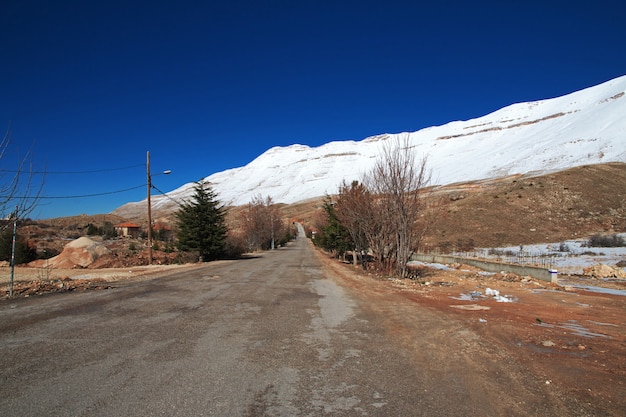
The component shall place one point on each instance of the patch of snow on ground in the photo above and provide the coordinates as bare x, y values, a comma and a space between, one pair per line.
569, 257
417, 264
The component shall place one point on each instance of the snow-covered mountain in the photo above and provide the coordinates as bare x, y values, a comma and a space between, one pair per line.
585, 127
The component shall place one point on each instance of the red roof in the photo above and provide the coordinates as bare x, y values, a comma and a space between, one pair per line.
128, 225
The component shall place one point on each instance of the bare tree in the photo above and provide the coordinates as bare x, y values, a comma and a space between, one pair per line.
19, 190
380, 233
353, 209
261, 224
398, 179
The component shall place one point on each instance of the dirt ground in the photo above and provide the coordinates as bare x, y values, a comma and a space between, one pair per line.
572, 338
29, 281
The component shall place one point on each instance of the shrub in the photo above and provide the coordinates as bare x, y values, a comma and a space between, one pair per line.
465, 245
24, 252
234, 247
606, 241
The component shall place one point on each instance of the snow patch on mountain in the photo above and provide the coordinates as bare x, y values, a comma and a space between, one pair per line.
585, 127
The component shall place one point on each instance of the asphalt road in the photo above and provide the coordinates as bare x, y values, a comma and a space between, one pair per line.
275, 335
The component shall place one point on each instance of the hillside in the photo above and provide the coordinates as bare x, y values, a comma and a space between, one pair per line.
521, 209
582, 128
516, 210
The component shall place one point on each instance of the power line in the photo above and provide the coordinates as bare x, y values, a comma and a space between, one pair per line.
179, 203
74, 196
76, 172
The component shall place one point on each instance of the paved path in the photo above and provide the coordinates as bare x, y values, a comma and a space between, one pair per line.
273, 335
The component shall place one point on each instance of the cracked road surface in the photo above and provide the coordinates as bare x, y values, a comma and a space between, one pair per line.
273, 335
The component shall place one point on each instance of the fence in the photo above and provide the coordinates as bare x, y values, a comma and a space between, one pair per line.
541, 273
521, 257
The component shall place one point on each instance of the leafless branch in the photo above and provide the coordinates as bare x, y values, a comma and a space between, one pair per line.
398, 179
20, 191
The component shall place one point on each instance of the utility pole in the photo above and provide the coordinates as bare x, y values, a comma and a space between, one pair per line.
272, 222
166, 172
13, 252
149, 210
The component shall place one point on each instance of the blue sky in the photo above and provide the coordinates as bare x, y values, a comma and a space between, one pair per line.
210, 85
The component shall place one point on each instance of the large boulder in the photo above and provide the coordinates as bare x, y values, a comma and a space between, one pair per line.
79, 253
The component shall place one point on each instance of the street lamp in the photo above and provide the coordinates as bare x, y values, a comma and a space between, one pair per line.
166, 172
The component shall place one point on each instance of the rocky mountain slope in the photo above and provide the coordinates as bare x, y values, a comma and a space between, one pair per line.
585, 127
518, 209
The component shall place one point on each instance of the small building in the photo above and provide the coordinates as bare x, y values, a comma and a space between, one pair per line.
162, 232
128, 229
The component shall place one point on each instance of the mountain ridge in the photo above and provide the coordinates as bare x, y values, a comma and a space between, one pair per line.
584, 127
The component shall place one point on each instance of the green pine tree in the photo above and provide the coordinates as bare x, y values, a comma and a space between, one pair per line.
333, 235
202, 224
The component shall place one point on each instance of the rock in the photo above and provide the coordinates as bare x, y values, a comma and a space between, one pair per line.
603, 271
79, 253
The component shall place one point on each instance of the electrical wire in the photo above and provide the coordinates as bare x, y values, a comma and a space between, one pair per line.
95, 171
75, 196
178, 203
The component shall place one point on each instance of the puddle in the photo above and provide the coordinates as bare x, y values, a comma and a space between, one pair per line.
574, 328
599, 290
540, 290
602, 324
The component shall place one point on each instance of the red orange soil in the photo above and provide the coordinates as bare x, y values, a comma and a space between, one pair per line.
571, 339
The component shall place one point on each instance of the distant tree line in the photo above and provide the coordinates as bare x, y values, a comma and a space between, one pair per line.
261, 226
